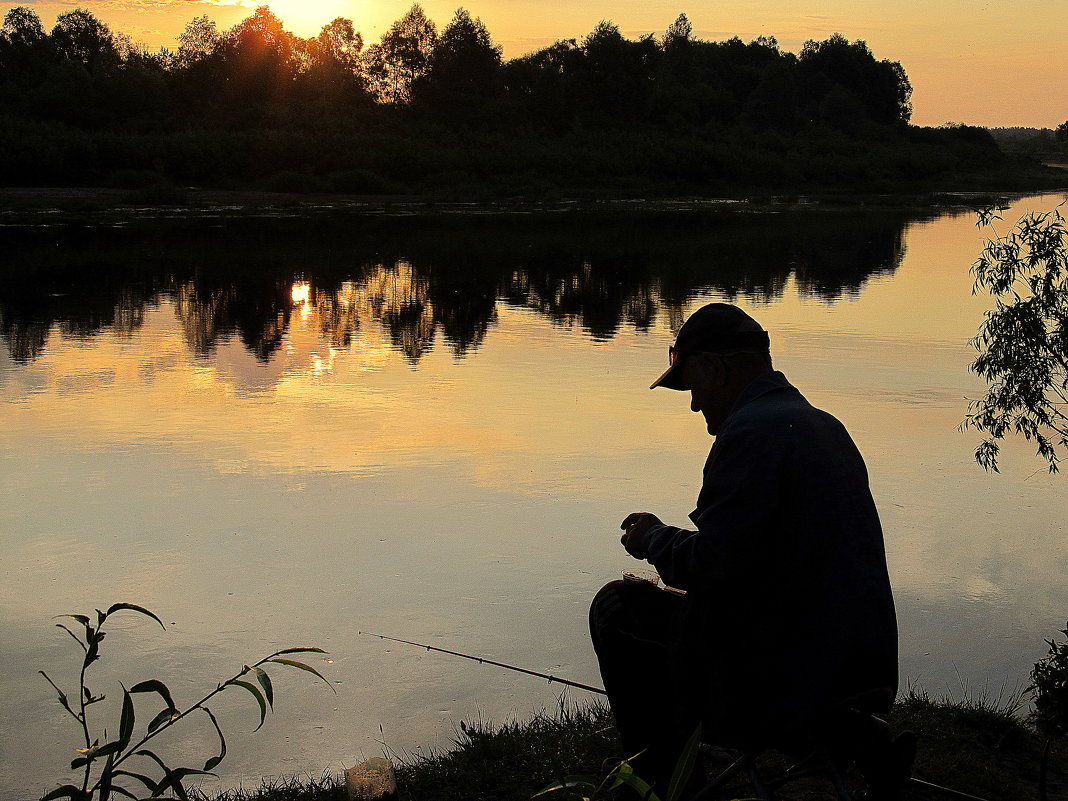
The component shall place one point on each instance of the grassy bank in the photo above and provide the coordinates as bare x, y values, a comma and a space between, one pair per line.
980, 746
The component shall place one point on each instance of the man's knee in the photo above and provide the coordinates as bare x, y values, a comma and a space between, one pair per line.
607, 608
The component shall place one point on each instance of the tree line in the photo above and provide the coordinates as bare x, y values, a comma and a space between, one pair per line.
426, 107
84, 73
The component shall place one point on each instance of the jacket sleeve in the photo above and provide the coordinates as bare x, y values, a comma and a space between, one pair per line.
738, 512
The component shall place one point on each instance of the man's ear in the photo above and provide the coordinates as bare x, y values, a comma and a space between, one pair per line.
715, 368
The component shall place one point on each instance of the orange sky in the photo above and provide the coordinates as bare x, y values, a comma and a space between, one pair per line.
973, 61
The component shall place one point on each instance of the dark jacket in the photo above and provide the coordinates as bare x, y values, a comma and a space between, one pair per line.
788, 607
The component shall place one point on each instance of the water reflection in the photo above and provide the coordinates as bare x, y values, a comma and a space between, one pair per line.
219, 420
417, 279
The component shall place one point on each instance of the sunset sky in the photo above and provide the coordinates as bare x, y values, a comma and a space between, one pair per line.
974, 61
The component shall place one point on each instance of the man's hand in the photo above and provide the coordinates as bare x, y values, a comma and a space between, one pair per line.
635, 526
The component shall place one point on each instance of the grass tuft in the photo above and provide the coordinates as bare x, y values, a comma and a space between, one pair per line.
513, 760
328, 787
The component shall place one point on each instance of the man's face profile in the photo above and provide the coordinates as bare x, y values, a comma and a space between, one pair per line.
704, 375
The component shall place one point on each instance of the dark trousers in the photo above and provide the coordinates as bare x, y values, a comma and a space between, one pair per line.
634, 627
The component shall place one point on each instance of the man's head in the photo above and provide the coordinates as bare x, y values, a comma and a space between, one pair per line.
718, 351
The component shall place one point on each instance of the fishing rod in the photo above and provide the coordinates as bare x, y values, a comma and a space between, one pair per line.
484, 661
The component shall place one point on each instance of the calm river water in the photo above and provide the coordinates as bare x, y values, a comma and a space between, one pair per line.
281, 431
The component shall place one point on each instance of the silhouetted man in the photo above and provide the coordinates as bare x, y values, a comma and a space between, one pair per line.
788, 611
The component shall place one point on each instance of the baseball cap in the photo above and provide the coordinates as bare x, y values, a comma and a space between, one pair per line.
715, 327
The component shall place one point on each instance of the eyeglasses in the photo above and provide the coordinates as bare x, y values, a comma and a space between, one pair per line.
675, 355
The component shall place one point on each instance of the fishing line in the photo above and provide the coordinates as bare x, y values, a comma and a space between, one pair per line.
484, 661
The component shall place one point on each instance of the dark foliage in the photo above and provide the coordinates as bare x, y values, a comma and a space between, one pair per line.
424, 111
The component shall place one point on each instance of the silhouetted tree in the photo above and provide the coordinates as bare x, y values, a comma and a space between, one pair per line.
262, 57
22, 31
333, 76
80, 37
1023, 340
541, 85
679, 33
615, 77
198, 41
880, 91
338, 45
402, 57
774, 101
25, 50
465, 66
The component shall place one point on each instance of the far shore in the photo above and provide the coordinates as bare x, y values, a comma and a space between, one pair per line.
82, 200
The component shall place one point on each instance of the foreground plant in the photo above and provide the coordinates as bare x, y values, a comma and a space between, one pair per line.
590, 788
1049, 686
1023, 342
107, 765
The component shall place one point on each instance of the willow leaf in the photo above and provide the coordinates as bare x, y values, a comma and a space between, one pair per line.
62, 696
147, 781
684, 767
297, 651
67, 791
265, 683
77, 639
308, 668
212, 763
165, 716
126, 719
155, 686
135, 608
252, 688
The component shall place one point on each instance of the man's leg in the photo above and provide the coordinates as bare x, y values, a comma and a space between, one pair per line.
633, 626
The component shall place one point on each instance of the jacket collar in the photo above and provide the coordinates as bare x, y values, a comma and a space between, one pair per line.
774, 381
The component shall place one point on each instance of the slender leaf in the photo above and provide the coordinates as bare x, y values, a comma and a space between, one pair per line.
97, 751
212, 763
167, 780
175, 778
62, 696
297, 651
258, 696
265, 683
104, 784
126, 719
147, 781
165, 716
67, 791
135, 608
145, 752
83, 619
77, 639
637, 783
100, 618
308, 668
567, 783
92, 653
155, 686
684, 767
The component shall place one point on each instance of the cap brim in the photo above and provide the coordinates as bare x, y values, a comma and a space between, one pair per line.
671, 378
